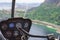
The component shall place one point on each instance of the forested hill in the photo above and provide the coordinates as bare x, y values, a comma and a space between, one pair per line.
48, 11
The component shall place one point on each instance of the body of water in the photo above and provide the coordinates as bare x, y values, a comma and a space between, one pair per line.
41, 30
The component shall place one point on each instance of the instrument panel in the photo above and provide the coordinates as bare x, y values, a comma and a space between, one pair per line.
9, 30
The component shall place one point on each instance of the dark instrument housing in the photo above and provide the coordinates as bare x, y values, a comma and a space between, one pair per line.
13, 33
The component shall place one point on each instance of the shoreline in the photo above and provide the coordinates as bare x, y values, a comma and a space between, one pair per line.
50, 27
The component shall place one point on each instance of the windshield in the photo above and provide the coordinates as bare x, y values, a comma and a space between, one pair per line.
24, 7
5, 9
45, 14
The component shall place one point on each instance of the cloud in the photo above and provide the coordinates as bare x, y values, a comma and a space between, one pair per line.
5, 1
30, 1
24, 1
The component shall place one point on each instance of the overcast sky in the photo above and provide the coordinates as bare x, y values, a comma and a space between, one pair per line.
24, 1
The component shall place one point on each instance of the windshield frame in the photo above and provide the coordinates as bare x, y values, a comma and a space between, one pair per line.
13, 8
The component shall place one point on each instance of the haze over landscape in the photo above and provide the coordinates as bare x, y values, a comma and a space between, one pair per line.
6, 4
18, 5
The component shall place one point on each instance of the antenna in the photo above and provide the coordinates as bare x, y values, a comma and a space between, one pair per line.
13, 8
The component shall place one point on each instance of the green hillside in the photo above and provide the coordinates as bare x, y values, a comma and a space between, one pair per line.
46, 12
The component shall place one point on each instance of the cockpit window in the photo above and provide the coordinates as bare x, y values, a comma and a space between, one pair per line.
24, 7
5, 9
46, 12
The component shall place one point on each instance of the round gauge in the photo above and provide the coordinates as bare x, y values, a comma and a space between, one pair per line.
11, 25
26, 24
19, 25
16, 33
8, 34
4, 27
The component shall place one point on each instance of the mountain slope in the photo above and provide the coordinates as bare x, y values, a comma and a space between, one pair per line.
48, 11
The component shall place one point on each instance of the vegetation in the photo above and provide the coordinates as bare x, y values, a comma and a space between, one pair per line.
46, 12
4, 14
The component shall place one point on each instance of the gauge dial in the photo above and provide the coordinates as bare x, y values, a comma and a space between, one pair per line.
11, 25
4, 27
16, 33
26, 24
19, 25
8, 34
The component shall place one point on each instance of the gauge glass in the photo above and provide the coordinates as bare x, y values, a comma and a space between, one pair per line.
4, 26
8, 33
26, 24
11, 25
16, 33
19, 25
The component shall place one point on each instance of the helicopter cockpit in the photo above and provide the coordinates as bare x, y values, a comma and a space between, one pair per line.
18, 28
9, 30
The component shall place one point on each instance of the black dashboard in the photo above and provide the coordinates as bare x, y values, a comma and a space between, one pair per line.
9, 30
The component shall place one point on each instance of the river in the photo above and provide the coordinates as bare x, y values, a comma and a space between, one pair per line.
41, 30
